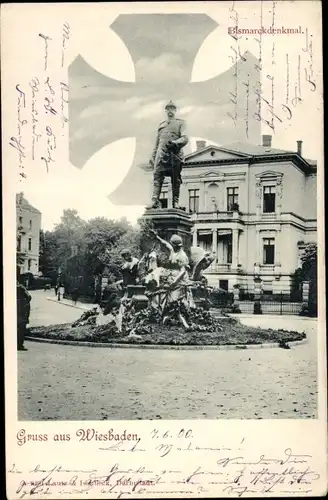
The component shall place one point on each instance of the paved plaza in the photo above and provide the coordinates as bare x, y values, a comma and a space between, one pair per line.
59, 382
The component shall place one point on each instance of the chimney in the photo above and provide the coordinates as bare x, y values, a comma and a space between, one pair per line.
299, 147
200, 145
266, 141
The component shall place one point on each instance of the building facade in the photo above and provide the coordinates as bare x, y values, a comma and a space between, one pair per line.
28, 223
254, 207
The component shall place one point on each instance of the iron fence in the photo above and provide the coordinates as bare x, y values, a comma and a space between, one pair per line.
278, 303
272, 307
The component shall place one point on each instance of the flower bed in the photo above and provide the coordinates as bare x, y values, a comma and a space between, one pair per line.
228, 331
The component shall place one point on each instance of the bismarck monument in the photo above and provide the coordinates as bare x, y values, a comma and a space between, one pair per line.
167, 155
167, 161
174, 280
156, 300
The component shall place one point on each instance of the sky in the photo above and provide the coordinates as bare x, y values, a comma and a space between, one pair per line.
121, 75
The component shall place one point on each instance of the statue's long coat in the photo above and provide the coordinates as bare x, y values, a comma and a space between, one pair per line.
162, 158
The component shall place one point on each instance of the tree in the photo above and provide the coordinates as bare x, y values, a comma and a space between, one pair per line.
84, 249
100, 237
309, 271
48, 258
113, 258
69, 236
309, 260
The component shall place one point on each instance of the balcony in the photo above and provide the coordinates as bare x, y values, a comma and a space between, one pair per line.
217, 216
225, 269
218, 268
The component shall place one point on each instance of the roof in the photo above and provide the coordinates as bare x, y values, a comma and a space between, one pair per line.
24, 204
257, 153
253, 149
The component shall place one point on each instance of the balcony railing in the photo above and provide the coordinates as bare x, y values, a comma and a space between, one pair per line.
216, 216
219, 268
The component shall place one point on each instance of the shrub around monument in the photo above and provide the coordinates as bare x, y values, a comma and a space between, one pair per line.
145, 327
221, 298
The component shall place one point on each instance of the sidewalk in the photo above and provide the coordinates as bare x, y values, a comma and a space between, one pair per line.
70, 303
293, 317
273, 316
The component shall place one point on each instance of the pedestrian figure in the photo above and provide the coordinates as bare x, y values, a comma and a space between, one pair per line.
23, 313
60, 292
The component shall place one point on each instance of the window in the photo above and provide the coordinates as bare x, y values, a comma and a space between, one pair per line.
268, 251
20, 220
224, 284
19, 243
269, 199
193, 200
30, 224
164, 200
232, 199
30, 244
29, 263
229, 252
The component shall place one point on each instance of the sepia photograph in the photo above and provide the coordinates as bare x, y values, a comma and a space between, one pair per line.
222, 255
167, 177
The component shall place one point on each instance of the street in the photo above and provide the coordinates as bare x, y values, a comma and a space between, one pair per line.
46, 312
61, 382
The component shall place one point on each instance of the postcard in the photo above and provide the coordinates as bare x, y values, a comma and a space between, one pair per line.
163, 208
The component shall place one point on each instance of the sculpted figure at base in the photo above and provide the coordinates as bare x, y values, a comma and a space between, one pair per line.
200, 261
176, 278
129, 268
167, 156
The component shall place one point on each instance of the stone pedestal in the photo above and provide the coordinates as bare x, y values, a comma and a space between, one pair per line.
305, 292
305, 298
235, 305
137, 294
169, 221
257, 296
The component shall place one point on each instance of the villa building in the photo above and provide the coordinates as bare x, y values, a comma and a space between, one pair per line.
254, 207
28, 222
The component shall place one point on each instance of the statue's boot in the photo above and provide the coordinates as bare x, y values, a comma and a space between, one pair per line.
155, 203
175, 196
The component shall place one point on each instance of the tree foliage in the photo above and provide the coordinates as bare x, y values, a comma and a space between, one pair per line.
309, 273
309, 261
101, 236
84, 249
48, 257
69, 236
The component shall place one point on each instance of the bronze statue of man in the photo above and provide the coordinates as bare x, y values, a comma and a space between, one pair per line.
167, 156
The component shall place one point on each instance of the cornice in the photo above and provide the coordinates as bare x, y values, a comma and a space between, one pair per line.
257, 159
